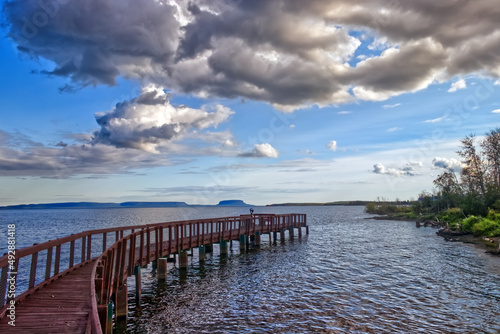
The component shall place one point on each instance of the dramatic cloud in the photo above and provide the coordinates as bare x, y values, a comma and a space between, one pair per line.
290, 53
150, 121
261, 151
449, 164
332, 145
19, 156
408, 170
457, 85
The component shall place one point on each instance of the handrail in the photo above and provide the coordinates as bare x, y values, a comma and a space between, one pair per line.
112, 265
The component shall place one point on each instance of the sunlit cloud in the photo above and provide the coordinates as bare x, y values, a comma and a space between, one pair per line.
458, 85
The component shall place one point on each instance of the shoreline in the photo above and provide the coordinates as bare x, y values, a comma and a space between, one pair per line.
489, 245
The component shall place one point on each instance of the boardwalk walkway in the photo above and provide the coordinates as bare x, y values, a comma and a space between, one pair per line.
63, 306
80, 298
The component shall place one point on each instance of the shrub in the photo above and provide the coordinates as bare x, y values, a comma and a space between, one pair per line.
486, 227
452, 216
468, 223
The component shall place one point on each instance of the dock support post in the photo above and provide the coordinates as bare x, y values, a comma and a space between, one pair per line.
138, 283
275, 236
161, 272
201, 253
154, 265
282, 234
223, 247
121, 304
291, 232
300, 231
209, 248
243, 239
307, 229
106, 317
183, 259
231, 244
257, 239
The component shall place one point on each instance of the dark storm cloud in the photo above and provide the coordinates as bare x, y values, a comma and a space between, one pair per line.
289, 53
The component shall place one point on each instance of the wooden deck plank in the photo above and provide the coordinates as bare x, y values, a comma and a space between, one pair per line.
63, 306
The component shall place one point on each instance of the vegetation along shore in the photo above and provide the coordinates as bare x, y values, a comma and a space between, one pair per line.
465, 203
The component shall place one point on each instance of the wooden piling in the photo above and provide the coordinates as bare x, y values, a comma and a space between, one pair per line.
183, 260
138, 285
121, 302
291, 232
209, 248
275, 236
257, 239
223, 247
201, 253
282, 234
243, 241
161, 271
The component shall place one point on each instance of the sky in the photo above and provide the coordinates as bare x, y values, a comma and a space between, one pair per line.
267, 101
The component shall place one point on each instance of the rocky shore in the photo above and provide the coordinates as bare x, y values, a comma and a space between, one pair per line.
490, 245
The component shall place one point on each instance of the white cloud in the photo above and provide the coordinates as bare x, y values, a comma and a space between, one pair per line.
458, 85
149, 122
497, 111
394, 129
389, 106
261, 151
436, 120
448, 164
332, 145
344, 112
497, 83
407, 170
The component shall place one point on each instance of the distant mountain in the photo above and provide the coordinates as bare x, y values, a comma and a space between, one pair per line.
233, 202
153, 204
69, 205
92, 205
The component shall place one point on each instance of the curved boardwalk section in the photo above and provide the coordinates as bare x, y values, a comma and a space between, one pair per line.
38, 297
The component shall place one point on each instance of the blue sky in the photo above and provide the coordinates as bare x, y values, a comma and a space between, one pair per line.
191, 110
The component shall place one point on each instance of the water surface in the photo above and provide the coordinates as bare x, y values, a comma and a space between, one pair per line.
350, 275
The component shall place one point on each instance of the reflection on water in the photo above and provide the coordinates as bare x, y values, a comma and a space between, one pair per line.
350, 275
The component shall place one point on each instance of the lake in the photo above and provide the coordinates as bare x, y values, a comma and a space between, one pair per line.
349, 275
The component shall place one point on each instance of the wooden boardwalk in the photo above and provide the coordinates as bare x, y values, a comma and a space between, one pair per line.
63, 306
81, 297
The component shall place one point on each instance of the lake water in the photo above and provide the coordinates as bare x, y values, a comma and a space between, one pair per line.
349, 275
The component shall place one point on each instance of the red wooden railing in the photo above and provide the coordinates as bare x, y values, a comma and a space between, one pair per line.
133, 245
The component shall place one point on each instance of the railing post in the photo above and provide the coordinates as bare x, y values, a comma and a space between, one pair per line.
104, 239
83, 249
89, 246
141, 249
148, 247
48, 265
34, 260
72, 254
3, 285
57, 261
